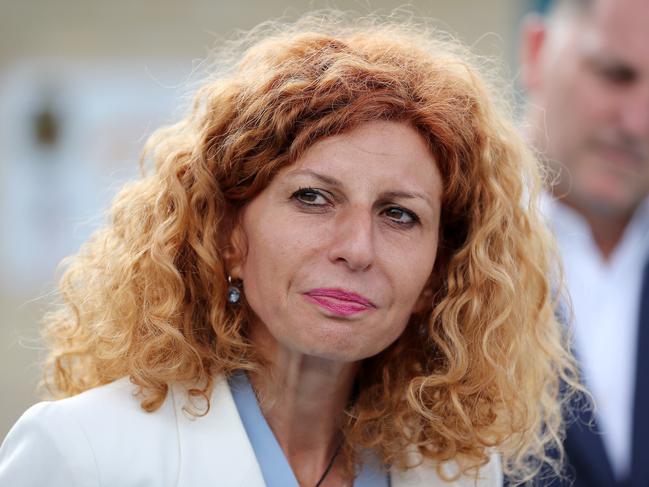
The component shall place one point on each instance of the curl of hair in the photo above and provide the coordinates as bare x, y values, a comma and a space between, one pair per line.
480, 369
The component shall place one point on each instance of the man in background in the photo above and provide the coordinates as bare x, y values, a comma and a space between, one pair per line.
586, 72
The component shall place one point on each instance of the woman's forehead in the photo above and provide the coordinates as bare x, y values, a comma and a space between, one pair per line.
390, 154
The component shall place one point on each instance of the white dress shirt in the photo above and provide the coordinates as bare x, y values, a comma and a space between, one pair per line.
605, 297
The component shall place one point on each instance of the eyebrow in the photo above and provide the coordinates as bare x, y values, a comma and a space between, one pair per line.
325, 179
336, 183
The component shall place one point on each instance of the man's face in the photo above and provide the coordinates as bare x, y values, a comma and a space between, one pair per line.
587, 74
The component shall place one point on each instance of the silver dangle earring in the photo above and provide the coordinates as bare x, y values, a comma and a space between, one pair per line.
234, 293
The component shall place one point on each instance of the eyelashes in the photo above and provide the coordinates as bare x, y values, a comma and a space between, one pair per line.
397, 214
320, 201
311, 197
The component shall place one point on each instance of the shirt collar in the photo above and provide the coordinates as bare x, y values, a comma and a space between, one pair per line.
569, 226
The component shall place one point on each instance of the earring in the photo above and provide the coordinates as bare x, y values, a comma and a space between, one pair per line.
234, 293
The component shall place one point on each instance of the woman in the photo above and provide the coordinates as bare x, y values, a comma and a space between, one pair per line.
335, 275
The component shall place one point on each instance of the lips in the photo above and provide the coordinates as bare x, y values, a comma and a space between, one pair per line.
339, 301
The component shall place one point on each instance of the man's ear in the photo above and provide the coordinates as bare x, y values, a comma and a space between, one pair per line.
534, 33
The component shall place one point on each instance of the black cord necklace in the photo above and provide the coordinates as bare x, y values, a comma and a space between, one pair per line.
331, 464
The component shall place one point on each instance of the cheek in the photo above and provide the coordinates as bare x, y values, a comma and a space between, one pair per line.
570, 117
276, 253
596, 101
585, 100
411, 274
268, 247
263, 262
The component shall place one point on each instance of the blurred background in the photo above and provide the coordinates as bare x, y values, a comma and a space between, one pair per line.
82, 84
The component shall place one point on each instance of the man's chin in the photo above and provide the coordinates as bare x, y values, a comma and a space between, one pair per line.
613, 205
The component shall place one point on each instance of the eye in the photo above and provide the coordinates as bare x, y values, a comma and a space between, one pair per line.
310, 197
615, 73
401, 216
619, 75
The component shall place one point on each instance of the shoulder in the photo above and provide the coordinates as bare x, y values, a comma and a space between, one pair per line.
80, 440
425, 474
45, 448
113, 412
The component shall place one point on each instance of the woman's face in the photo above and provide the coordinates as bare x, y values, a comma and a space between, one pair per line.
340, 244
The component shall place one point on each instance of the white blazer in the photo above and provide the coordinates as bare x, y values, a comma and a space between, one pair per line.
103, 438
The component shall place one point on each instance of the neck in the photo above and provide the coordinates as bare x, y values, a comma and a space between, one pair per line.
607, 229
607, 235
303, 399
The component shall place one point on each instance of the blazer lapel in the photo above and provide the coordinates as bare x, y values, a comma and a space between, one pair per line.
640, 441
214, 449
586, 453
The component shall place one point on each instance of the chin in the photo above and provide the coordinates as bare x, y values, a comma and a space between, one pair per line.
610, 201
339, 351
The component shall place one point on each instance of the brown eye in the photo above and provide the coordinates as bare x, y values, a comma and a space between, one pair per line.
619, 75
401, 215
616, 73
310, 196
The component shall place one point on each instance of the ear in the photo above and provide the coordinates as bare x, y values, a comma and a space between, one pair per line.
235, 250
534, 34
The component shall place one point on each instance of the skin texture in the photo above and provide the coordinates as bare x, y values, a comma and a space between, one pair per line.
587, 76
351, 231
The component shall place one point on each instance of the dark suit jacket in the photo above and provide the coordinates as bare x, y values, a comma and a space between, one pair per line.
588, 464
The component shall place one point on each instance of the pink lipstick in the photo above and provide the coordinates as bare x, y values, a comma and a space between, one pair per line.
339, 301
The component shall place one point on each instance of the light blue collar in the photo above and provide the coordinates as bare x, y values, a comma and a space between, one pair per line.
273, 463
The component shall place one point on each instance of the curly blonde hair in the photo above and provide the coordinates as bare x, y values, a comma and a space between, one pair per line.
480, 369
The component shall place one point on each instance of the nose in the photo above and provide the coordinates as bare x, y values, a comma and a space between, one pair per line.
352, 239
